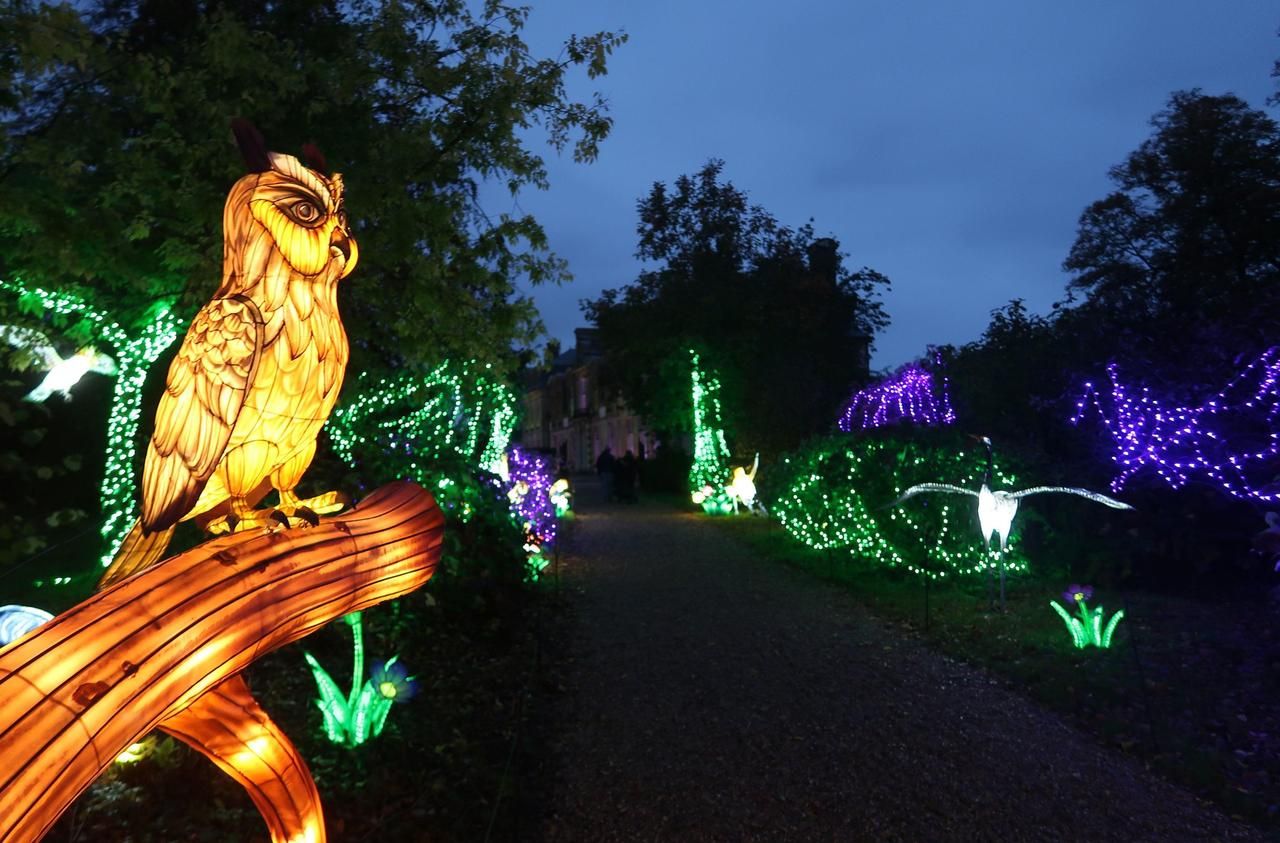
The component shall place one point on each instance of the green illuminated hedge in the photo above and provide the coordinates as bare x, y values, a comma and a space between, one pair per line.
439, 428
836, 493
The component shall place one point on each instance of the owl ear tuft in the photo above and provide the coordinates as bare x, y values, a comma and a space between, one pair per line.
315, 158
252, 147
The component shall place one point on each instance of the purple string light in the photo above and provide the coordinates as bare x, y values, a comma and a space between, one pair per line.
1233, 439
534, 507
907, 395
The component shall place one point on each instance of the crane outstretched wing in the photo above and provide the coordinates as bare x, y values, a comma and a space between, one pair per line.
1069, 490
933, 487
34, 342
203, 395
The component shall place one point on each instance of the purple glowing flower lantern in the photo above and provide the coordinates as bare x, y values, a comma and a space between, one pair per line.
1077, 594
906, 395
530, 494
1231, 440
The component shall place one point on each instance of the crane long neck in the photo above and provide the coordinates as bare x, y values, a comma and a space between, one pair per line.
986, 477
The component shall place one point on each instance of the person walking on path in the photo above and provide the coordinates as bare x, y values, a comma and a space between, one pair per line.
624, 478
605, 466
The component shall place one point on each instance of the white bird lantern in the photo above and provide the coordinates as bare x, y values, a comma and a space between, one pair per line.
63, 373
996, 510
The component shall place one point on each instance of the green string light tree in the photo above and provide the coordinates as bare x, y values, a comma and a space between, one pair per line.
710, 469
449, 430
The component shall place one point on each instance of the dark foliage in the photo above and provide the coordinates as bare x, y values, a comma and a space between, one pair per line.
1180, 266
772, 309
116, 154
1177, 279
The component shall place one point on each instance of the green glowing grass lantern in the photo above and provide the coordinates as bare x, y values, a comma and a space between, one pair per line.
355, 718
1086, 630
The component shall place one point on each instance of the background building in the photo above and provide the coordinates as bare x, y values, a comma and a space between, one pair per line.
567, 409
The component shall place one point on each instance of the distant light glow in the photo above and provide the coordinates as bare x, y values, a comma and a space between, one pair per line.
135, 752
906, 395
742, 488
1231, 440
561, 497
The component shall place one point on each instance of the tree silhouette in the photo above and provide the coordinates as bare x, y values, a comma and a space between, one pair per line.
771, 307
1180, 264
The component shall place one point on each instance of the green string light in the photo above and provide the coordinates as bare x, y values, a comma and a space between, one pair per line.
836, 493
423, 426
710, 453
134, 357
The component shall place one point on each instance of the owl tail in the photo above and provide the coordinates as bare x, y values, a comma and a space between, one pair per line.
139, 550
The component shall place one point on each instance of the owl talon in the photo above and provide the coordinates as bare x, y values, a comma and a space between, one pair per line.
324, 504
307, 515
220, 526
279, 518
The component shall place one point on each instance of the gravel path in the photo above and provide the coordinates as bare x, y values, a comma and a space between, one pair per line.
715, 696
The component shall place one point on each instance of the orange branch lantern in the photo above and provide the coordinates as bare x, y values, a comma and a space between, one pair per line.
164, 647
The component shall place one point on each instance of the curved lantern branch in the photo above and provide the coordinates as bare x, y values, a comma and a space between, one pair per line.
77, 691
229, 728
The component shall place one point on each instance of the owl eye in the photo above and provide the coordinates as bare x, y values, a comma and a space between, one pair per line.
305, 212
342, 219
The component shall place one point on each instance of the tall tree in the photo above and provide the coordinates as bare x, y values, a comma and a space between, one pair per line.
116, 153
1181, 264
116, 158
770, 307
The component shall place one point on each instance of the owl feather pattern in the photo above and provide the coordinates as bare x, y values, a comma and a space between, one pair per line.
261, 365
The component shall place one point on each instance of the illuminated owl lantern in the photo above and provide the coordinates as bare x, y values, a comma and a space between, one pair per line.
261, 365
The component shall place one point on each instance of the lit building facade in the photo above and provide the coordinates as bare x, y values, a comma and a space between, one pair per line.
568, 410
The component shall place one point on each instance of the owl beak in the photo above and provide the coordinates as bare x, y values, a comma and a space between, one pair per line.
345, 244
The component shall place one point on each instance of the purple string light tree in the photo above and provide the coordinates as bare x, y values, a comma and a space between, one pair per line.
1232, 440
906, 395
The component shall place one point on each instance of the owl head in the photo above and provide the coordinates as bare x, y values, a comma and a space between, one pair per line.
284, 217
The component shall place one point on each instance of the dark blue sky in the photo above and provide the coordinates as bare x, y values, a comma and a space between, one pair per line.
950, 146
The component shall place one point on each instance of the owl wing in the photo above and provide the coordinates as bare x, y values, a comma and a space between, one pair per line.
203, 395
